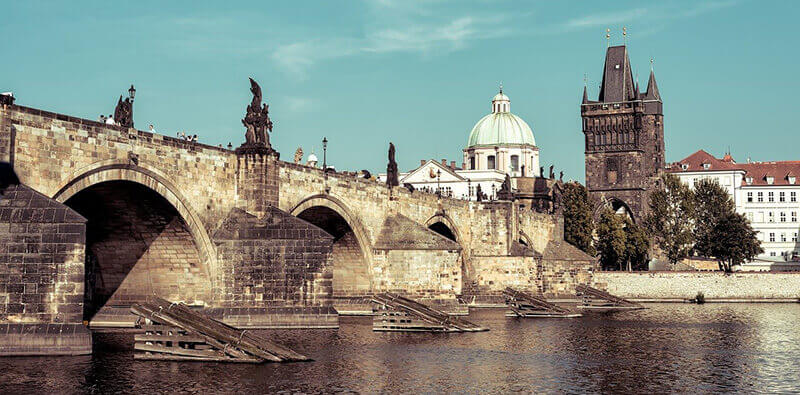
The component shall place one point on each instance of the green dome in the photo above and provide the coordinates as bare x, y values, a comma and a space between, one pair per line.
500, 128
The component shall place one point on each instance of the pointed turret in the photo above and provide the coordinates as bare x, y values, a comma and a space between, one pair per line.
652, 88
585, 96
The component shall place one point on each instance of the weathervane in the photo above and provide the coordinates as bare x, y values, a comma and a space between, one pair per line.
501, 87
651, 64
608, 37
625, 35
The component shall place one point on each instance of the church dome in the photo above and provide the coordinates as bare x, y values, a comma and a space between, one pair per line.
501, 127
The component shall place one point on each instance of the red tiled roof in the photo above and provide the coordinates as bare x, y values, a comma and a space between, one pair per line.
758, 171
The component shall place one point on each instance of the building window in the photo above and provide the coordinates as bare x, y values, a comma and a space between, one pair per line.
706, 166
781, 196
772, 237
472, 163
783, 216
794, 237
490, 162
783, 237
514, 163
748, 180
772, 253
750, 217
771, 217
771, 197
760, 197
749, 197
792, 196
794, 216
770, 180
684, 166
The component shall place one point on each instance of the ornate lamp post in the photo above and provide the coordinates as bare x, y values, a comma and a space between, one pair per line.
438, 187
131, 95
469, 189
325, 154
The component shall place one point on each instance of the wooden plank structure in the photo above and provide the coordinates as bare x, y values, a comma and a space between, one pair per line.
395, 313
174, 332
523, 304
593, 299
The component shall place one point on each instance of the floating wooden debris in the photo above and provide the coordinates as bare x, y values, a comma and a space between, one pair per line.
396, 313
523, 304
174, 332
593, 299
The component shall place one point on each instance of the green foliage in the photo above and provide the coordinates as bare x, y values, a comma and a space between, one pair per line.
712, 203
735, 241
611, 240
637, 243
671, 216
578, 224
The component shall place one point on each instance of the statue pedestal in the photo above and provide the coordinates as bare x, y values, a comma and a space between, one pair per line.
258, 183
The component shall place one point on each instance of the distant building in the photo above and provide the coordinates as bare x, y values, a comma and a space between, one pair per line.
624, 137
500, 143
767, 193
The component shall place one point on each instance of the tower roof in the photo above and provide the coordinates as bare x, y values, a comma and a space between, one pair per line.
652, 88
617, 83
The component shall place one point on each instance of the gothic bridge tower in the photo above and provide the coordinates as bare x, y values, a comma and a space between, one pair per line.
624, 137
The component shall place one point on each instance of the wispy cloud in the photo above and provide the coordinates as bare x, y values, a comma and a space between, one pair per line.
605, 19
425, 38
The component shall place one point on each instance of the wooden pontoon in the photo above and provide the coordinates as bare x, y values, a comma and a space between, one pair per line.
595, 300
174, 332
395, 313
523, 304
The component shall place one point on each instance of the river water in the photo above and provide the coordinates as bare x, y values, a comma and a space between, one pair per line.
666, 348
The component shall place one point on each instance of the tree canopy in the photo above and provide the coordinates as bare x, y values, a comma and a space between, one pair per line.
611, 240
712, 203
578, 223
735, 241
670, 220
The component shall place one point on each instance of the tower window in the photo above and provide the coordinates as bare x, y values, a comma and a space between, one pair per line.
490, 162
514, 163
472, 163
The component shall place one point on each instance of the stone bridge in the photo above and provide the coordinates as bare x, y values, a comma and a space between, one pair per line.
221, 229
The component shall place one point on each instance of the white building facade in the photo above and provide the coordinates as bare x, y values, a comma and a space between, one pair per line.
499, 144
766, 193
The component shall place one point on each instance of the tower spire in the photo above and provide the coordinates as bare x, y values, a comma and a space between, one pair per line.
608, 37
585, 92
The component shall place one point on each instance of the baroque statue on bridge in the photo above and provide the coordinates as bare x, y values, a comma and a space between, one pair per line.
123, 113
257, 120
391, 169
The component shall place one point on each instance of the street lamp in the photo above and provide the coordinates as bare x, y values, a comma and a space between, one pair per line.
469, 189
132, 92
324, 154
438, 188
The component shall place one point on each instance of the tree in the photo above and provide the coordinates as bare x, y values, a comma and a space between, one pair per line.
611, 240
735, 241
578, 223
670, 219
712, 203
637, 243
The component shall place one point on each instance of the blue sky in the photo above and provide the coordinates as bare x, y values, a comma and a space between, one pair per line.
420, 74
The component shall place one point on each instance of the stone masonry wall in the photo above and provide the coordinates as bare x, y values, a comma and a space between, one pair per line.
493, 274
714, 285
50, 150
418, 273
275, 260
41, 259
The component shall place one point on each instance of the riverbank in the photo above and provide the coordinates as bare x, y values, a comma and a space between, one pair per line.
715, 286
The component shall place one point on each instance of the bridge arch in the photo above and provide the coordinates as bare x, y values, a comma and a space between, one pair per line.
139, 223
445, 226
352, 251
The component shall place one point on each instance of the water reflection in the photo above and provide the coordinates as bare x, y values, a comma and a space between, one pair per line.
667, 348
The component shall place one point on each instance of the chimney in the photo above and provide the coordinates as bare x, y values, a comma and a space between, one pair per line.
421, 162
444, 162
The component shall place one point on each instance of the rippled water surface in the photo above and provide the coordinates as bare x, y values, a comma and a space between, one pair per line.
666, 348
